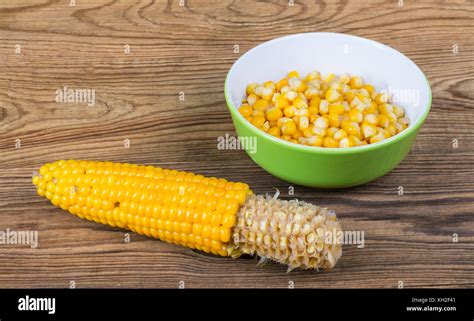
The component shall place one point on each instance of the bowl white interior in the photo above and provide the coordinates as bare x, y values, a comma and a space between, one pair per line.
377, 64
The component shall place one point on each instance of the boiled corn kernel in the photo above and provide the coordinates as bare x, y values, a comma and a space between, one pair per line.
245, 110
273, 114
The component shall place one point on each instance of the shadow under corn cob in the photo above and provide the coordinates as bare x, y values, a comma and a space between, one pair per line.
208, 214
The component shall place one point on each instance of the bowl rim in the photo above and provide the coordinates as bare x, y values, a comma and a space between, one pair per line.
412, 128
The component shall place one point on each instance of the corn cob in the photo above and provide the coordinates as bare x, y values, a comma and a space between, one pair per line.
208, 214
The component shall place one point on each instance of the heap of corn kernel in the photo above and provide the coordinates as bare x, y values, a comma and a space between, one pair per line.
321, 111
208, 214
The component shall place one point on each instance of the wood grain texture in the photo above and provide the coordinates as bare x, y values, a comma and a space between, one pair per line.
190, 48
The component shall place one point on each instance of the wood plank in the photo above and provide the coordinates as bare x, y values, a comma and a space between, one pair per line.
409, 238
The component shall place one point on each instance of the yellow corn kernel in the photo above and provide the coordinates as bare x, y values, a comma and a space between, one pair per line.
324, 107
282, 120
302, 112
340, 134
282, 83
330, 142
290, 111
322, 122
344, 79
316, 141
308, 132
258, 90
41, 192
273, 114
258, 121
312, 118
315, 84
404, 121
303, 123
266, 126
281, 102
314, 102
371, 119
345, 142
392, 118
228, 220
377, 138
383, 121
384, 132
363, 98
296, 84
370, 89
381, 98
398, 111
385, 109
355, 115
285, 89
318, 131
35, 180
224, 234
313, 110
334, 120
368, 130
292, 74
250, 88
352, 128
252, 99
332, 95
356, 82
310, 93
290, 95
267, 93
357, 103
331, 131
303, 140
256, 113
355, 141
335, 85
336, 108
399, 127
261, 104
372, 109
275, 97
269, 84
392, 129
329, 77
296, 119
288, 128
302, 96
286, 137
346, 105
364, 94
245, 110
297, 134
299, 102
313, 75
349, 96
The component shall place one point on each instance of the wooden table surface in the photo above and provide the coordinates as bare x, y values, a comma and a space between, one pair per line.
139, 55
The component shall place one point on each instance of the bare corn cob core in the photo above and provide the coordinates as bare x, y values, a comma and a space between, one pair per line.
209, 214
290, 232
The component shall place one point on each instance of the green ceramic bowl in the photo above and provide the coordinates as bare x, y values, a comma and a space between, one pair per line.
377, 64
